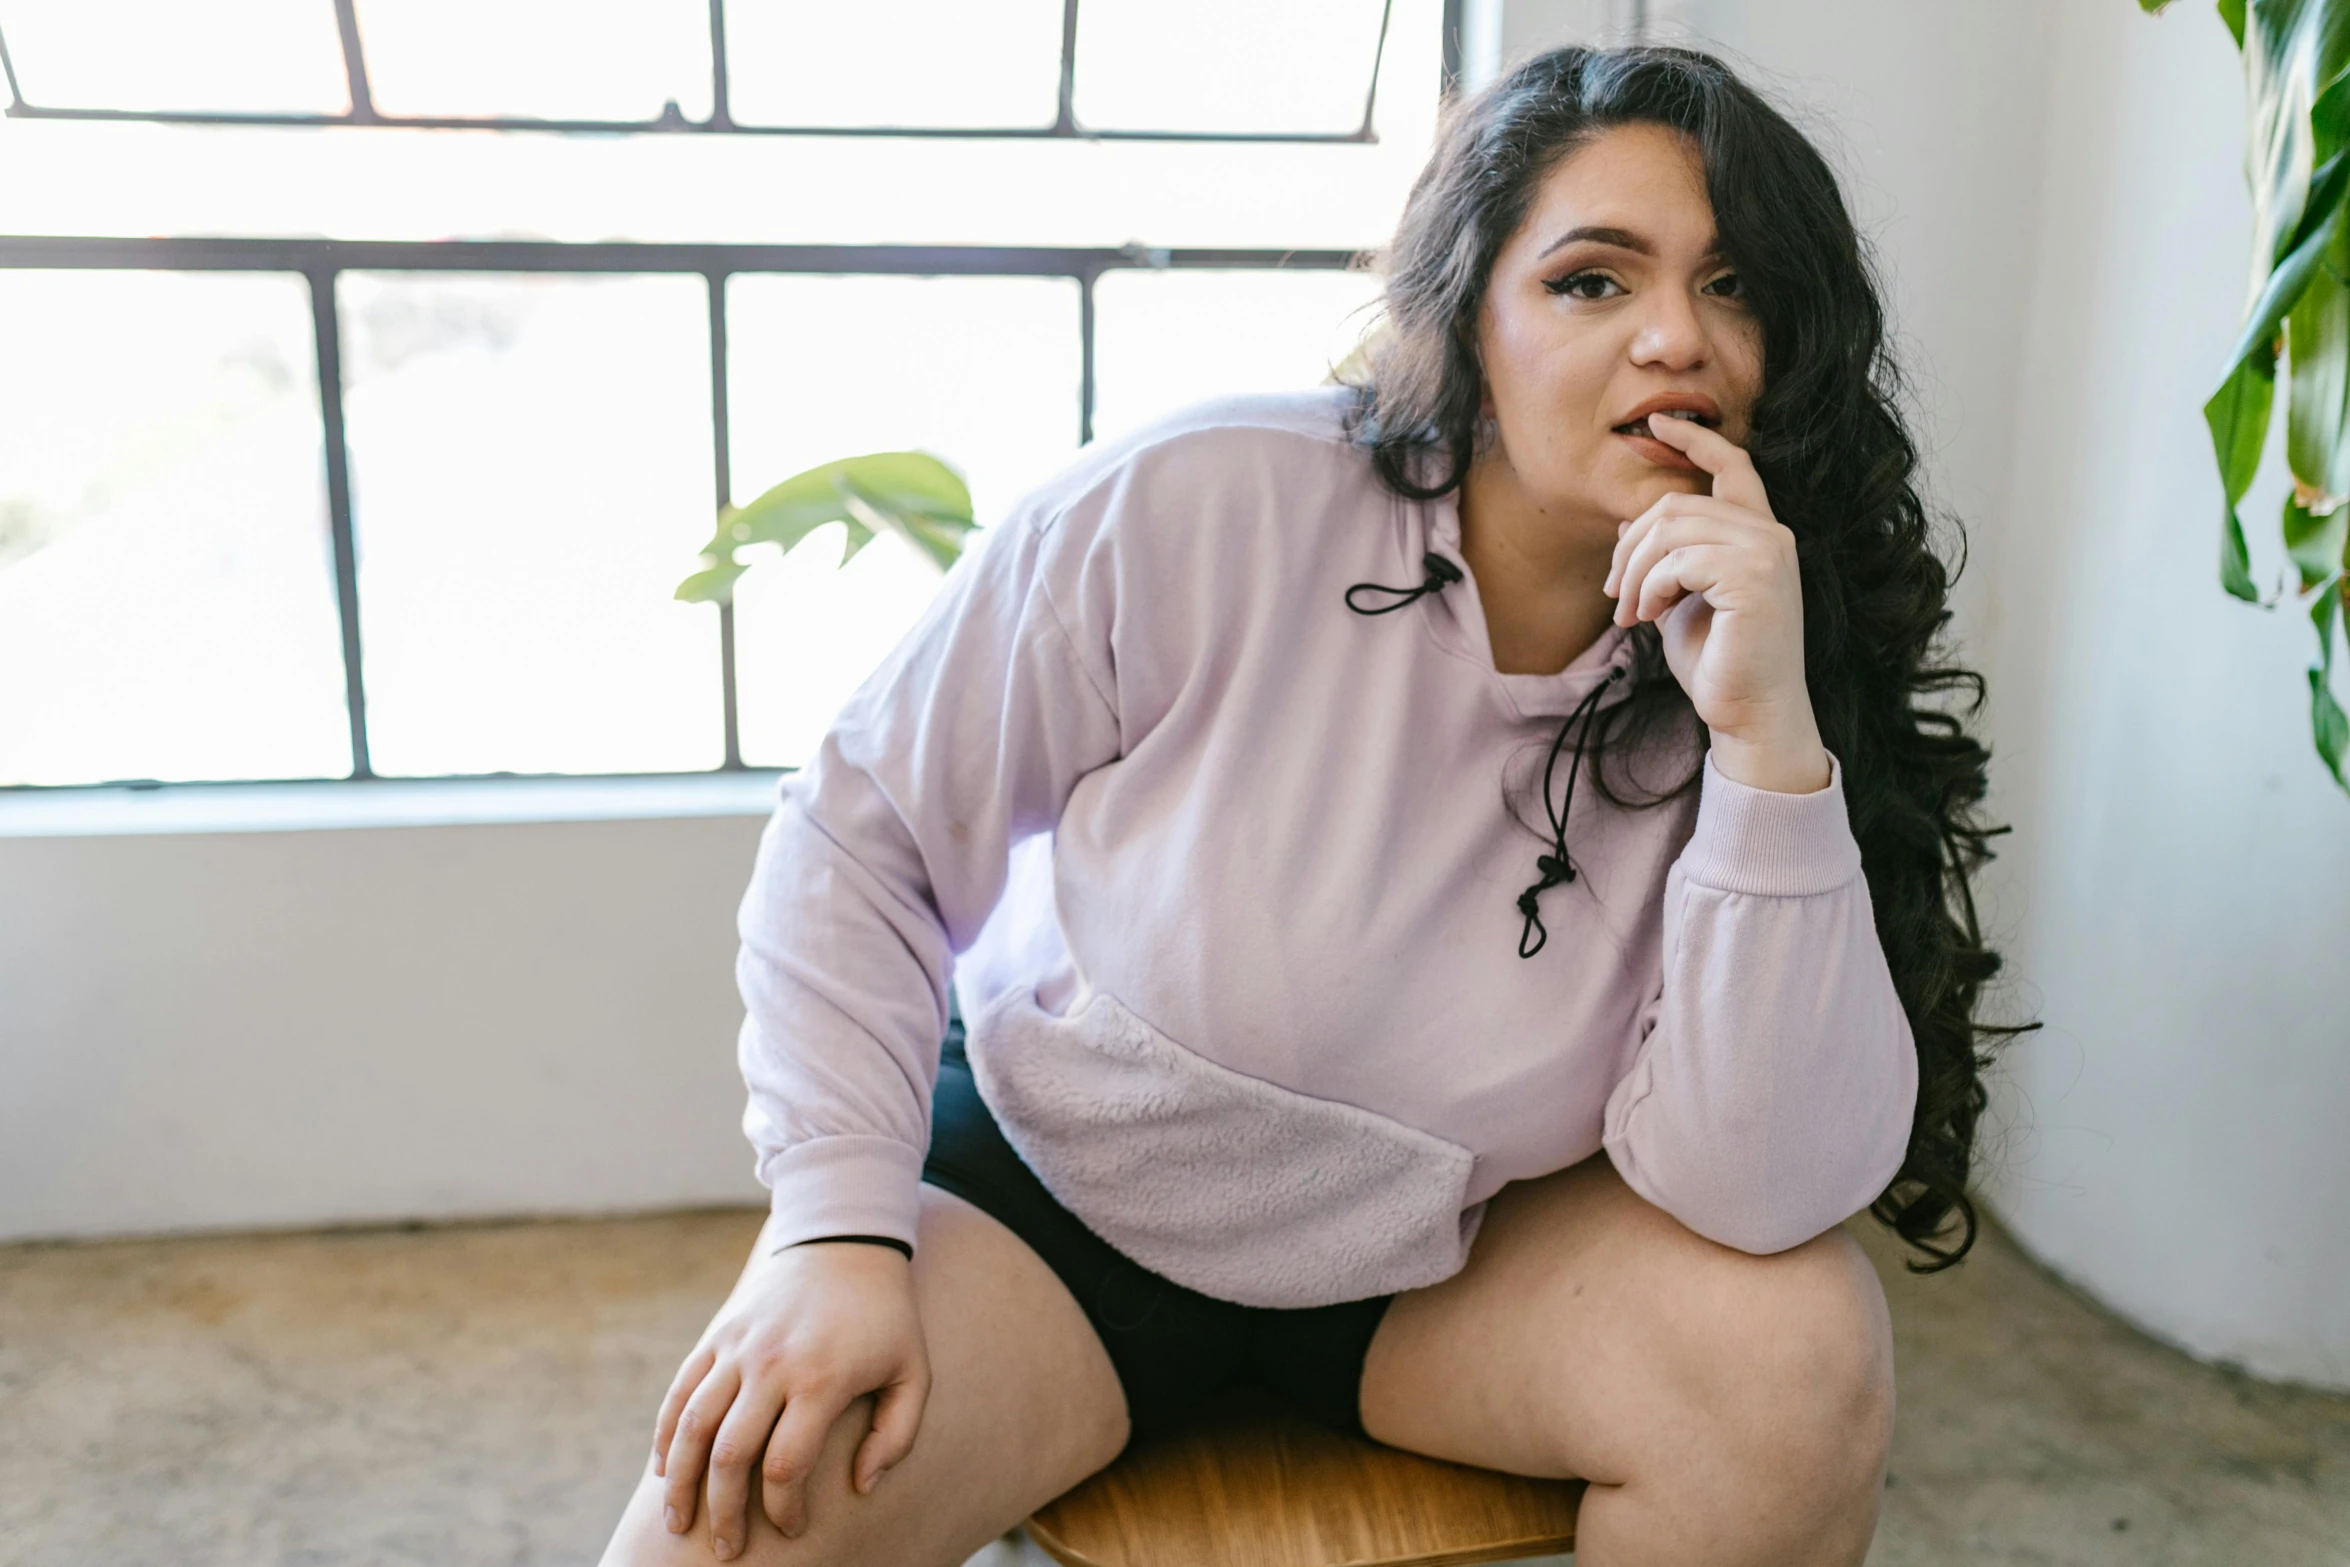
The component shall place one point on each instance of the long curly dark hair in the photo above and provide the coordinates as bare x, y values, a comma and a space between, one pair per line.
1829, 441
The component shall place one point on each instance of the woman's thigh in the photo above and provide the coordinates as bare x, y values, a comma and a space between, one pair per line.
1592, 1336
1023, 1405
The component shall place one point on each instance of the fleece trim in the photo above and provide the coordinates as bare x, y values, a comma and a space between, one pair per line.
1226, 1184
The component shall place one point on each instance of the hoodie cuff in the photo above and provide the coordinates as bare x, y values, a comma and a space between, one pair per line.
1771, 845
844, 1186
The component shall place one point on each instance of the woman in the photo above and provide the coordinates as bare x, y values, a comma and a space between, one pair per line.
1504, 905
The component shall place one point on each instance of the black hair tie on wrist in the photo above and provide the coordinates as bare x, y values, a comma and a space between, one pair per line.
1442, 574
891, 1241
1555, 867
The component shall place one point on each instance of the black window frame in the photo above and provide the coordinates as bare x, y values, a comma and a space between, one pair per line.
1064, 126
321, 262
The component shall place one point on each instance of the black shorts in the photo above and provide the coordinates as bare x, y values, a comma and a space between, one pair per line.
1173, 1347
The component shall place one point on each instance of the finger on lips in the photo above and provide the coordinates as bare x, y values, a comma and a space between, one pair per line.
1703, 444
1718, 455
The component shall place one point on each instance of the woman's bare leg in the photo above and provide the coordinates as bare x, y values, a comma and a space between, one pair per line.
1023, 1404
1728, 1409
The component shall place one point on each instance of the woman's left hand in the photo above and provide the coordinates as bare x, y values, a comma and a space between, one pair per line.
1718, 574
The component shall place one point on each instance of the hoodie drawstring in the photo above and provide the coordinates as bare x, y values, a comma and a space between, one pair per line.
1555, 867
1442, 574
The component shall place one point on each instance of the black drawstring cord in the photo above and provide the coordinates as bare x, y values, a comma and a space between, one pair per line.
1556, 868
1442, 574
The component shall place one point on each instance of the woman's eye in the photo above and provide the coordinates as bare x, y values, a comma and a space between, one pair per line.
1727, 286
1584, 285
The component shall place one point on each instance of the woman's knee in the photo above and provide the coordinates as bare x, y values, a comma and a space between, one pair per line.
1794, 1346
1796, 1361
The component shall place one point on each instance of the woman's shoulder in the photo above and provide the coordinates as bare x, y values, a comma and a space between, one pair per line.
1213, 457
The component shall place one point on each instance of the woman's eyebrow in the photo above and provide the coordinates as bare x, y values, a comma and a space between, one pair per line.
1621, 239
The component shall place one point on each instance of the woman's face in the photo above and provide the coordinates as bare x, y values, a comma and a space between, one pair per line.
1608, 304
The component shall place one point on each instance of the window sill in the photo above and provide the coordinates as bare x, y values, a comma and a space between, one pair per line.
342, 804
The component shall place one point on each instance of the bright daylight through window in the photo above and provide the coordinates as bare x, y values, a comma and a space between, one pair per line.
701, 247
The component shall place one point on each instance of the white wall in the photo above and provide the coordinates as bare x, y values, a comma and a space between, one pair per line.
213, 1030
2056, 196
2184, 881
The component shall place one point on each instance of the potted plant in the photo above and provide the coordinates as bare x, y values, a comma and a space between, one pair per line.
2297, 80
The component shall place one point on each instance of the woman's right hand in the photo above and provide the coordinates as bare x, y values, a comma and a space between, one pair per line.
810, 1330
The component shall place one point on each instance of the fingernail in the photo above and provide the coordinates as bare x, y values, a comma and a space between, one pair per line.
1621, 526
722, 1548
669, 1517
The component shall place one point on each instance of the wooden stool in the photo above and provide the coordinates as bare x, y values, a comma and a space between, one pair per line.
1251, 1485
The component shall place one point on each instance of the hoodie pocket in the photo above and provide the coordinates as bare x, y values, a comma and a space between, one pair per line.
1223, 1182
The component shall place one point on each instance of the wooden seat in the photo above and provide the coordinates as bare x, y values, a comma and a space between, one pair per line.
1251, 1485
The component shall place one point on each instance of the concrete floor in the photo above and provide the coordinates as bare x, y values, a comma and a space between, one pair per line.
482, 1395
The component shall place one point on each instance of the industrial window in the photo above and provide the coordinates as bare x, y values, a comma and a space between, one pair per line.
396, 477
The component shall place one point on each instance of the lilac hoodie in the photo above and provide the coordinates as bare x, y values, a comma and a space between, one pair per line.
1226, 876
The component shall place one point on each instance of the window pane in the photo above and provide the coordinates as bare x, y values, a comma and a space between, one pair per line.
984, 372
908, 62
167, 605
1225, 65
544, 59
530, 462
80, 179
1165, 339
245, 56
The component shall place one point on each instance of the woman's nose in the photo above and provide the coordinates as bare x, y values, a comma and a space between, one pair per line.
1670, 334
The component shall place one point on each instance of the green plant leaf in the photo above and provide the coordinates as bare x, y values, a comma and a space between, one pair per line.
2238, 417
881, 491
2284, 289
2293, 50
854, 536
908, 482
2315, 542
2329, 728
2329, 125
713, 586
2232, 13
938, 535
2317, 408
